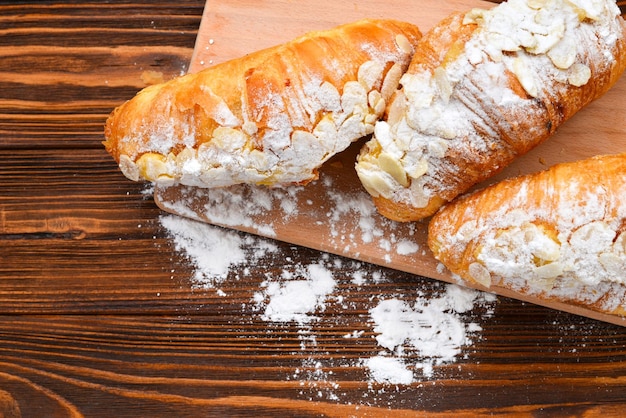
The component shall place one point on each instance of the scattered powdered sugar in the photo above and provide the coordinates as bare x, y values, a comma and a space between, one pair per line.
369, 226
359, 206
213, 251
198, 241
239, 205
412, 334
389, 370
406, 247
289, 300
345, 219
430, 327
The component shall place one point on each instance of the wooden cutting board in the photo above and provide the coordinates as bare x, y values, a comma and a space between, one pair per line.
334, 214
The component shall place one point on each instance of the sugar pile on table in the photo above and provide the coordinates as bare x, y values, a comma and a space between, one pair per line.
294, 297
430, 326
214, 251
413, 334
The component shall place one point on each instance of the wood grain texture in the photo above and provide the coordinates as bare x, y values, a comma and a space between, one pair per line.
100, 316
204, 365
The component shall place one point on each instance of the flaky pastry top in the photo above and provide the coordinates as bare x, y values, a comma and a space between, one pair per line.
483, 88
271, 117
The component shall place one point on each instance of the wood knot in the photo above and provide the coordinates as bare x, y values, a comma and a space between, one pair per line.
9, 407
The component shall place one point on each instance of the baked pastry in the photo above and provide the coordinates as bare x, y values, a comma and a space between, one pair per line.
483, 88
271, 117
559, 234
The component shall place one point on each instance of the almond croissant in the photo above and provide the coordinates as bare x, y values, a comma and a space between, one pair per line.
271, 117
483, 88
559, 235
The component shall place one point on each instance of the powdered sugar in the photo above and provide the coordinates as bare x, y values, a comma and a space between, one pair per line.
289, 300
392, 370
199, 240
321, 293
344, 220
214, 251
431, 327
406, 247
413, 334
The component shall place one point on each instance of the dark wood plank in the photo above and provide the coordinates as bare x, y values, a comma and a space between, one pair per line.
208, 364
64, 67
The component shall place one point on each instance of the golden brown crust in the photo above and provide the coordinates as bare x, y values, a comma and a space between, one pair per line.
244, 120
442, 44
559, 235
404, 212
470, 111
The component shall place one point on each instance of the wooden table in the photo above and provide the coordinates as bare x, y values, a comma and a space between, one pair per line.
99, 315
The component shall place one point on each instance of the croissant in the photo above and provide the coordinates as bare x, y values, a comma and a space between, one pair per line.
271, 117
558, 235
483, 88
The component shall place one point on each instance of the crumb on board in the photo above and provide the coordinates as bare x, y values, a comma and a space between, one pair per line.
150, 77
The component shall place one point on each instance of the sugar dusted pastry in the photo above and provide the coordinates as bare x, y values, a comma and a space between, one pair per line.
559, 235
271, 117
483, 88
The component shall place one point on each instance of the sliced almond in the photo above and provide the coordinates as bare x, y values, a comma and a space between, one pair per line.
404, 44
376, 102
536, 4
250, 128
474, 16
370, 73
184, 155
129, 168
392, 80
397, 107
525, 76
545, 42
549, 271
588, 9
563, 54
480, 274
354, 94
419, 169
393, 167
443, 84
228, 139
613, 263
375, 182
579, 75
325, 127
502, 42
152, 166
329, 97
